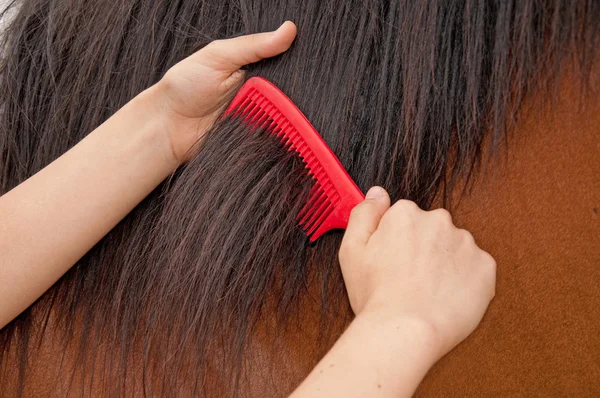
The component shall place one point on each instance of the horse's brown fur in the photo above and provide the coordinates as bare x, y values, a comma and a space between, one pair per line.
405, 94
538, 213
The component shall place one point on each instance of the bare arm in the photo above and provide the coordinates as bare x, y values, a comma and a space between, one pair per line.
51, 220
377, 356
418, 286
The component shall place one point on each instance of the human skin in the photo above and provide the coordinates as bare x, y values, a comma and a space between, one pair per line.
418, 286
406, 270
51, 220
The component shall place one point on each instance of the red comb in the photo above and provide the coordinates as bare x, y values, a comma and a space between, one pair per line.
334, 194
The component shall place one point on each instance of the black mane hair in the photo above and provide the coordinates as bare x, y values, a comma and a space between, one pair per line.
407, 94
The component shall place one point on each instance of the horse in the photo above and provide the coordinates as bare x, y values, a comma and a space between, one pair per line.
486, 108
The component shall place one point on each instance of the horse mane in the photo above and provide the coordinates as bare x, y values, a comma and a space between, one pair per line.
409, 95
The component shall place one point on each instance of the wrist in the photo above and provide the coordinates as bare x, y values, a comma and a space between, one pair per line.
160, 122
400, 328
183, 132
378, 355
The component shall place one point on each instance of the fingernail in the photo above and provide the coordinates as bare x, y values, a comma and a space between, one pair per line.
375, 192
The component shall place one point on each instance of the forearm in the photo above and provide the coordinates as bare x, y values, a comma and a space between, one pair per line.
375, 357
51, 220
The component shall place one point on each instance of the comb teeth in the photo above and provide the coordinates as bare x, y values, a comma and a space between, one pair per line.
262, 105
318, 207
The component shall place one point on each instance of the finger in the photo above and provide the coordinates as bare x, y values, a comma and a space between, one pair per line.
231, 54
365, 218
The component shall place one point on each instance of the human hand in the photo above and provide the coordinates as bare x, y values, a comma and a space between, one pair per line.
415, 266
194, 91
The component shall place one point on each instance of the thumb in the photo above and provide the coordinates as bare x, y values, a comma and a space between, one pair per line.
365, 218
231, 54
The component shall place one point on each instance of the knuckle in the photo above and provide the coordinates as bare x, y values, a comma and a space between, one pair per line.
406, 206
442, 215
409, 204
466, 237
490, 262
401, 212
488, 271
388, 219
